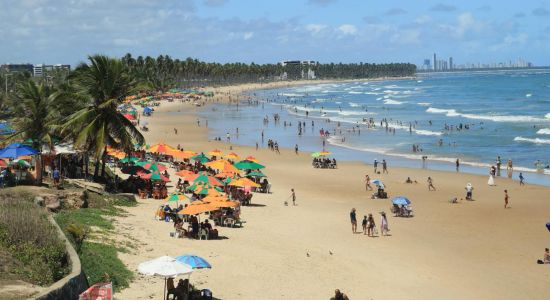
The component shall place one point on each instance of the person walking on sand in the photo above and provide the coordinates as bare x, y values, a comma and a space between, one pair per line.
521, 179
375, 164
293, 195
506, 199
353, 219
430, 184
469, 190
367, 183
492, 173
296, 149
457, 164
365, 221
383, 224
370, 225
384, 166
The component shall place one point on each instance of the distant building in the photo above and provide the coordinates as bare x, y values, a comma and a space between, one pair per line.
435, 62
13, 68
41, 69
451, 63
427, 64
309, 74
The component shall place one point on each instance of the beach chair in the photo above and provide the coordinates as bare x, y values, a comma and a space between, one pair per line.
203, 233
239, 222
229, 222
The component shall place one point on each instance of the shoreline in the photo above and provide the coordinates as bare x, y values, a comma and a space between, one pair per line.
269, 252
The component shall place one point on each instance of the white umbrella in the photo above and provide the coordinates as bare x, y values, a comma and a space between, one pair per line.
164, 266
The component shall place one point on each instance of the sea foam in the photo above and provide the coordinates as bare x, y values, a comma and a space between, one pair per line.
535, 140
544, 131
494, 118
392, 102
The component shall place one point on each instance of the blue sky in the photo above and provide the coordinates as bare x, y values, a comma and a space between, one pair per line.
65, 31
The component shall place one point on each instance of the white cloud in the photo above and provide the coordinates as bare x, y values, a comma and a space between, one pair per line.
347, 29
315, 28
248, 35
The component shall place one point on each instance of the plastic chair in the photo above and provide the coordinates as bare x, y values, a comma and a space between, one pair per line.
203, 233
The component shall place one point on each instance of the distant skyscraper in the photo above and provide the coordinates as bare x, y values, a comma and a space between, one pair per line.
435, 62
427, 64
451, 63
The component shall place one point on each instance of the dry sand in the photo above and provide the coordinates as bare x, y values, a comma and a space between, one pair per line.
470, 250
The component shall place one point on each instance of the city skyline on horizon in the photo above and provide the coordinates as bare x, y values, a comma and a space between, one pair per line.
52, 31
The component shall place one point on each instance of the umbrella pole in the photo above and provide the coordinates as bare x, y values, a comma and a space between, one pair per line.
165, 296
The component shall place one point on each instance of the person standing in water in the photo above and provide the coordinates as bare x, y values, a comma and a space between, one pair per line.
457, 164
521, 179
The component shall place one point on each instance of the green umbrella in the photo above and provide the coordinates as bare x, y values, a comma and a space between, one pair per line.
175, 197
201, 157
315, 154
248, 165
205, 179
20, 163
256, 174
129, 159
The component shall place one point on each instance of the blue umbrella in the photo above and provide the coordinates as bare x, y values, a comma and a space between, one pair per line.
401, 201
548, 226
16, 150
194, 261
147, 110
377, 182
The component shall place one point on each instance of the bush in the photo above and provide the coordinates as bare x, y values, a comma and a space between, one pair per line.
32, 240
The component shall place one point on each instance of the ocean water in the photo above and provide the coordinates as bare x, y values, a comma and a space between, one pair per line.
474, 117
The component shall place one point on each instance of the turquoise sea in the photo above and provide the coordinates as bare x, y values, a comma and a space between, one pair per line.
473, 116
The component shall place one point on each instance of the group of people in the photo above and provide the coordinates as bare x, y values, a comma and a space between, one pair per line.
368, 224
324, 163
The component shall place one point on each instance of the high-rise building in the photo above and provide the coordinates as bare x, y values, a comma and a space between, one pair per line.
435, 62
427, 64
451, 63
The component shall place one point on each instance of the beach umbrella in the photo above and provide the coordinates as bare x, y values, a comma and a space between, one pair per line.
401, 201
244, 182
16, 150
232, 156
129, 117
216, 152
377, 182
205, 179
147, 110
175, 197
164, 266
251, 158
215, 198
3, 163
185, 174
199, 189
256, 174
181, 154
161, 148
222, 202
224, 174
129, 159
195, 262
152, 166
196, 207
248, 165
548, 226
201, 157
222, 164
154, 176
133, 170
20, 163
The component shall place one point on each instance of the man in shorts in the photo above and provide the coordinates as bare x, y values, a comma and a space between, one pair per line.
353, 218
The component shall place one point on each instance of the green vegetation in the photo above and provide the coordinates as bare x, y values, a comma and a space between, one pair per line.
30, 246
98, 253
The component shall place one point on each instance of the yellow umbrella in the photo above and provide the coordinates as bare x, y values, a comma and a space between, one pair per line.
216, 153
233, 156
196, 207
222, 165
161, 148
181, 154
242, 182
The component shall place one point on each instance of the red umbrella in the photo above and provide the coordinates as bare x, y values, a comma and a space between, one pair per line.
154, 176
129, 117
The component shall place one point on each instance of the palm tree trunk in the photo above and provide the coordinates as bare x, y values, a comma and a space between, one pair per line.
85, 166
103, 161
96, 168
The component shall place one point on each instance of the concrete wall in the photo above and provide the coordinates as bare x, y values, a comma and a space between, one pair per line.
71, 285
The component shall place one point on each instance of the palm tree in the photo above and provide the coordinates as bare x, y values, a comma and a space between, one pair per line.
104, 82
34, 116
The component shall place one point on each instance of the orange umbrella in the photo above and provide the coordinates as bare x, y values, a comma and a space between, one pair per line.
181, 154
224, 174
185, 174
224, 203
216, 153
251, 158
222, 164
242, 182
161, 148
196, 207
233, 156
209, 192
213, 198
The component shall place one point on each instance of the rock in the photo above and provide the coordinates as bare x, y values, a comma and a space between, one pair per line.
39, 201
149, 249
75, 200
51, 201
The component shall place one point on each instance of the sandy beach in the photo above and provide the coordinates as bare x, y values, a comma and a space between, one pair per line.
469, 250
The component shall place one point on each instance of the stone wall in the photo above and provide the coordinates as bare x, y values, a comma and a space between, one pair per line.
71, 285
